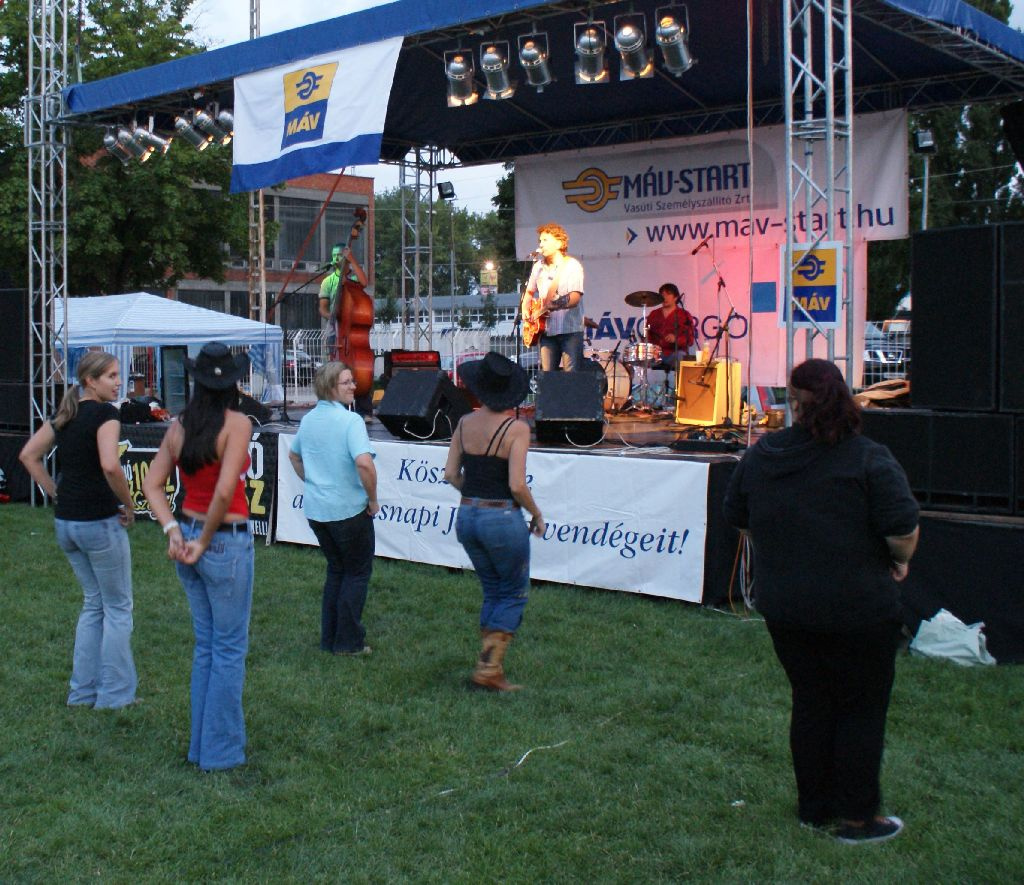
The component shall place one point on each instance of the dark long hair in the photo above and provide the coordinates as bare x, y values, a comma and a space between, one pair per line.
830, 414
202, 420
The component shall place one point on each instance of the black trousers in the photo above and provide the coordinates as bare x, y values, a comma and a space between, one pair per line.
347, 545
841, 686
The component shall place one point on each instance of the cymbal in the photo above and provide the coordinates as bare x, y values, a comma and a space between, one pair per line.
643, 298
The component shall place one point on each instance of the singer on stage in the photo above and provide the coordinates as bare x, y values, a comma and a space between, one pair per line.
554, 296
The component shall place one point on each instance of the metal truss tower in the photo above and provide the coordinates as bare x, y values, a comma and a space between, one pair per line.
45, 139
257, 277
417, 175
818, 47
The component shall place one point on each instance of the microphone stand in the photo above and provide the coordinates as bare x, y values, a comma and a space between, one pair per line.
284, 417
723, 329
517, 330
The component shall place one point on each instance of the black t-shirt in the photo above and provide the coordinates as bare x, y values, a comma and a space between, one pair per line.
83, 493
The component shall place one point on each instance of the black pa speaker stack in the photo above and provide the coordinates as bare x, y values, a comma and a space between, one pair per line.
962, 443
422, 404
14, 368
570, 408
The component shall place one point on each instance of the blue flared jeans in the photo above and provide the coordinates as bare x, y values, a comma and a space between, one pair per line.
497, 542
219, 591
103, 673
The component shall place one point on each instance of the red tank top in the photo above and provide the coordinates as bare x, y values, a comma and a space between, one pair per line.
199, 488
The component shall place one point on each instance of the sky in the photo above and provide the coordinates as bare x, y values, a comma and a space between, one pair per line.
223, 22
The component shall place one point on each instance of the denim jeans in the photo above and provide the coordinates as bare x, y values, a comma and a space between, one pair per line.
348, 546
553, 346
103, 673
219, 591
498, 544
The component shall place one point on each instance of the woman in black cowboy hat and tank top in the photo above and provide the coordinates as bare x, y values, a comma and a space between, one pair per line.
487, 463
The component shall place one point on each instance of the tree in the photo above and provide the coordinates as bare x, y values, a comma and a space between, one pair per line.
498, 233
129, 227
490, 311
973, 180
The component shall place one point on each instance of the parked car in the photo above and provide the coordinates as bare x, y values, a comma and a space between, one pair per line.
886, 351
299, 367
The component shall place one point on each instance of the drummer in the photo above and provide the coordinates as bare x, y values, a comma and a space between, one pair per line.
671, 327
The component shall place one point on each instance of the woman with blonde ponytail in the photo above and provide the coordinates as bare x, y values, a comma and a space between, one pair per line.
93, 508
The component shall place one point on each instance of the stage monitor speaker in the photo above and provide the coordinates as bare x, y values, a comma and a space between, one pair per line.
1013, 127
253, 409
1011, 318
569, 408
14, 405
955, 286
14, 322
708, 394
422, 404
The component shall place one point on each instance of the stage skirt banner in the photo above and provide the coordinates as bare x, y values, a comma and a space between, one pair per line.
316, 115
668, 197
620, 523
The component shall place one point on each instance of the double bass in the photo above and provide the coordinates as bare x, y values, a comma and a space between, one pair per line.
353, 311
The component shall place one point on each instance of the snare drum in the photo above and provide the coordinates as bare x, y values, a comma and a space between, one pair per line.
643, 353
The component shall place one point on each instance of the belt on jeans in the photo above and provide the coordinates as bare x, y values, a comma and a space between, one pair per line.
235, 528
490, 502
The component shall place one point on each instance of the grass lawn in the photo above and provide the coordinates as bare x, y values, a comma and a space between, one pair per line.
649, 745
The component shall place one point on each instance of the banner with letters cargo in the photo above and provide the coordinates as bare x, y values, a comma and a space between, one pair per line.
626, 523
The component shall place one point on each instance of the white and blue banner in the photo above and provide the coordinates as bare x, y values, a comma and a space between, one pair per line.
621, 523
316, 115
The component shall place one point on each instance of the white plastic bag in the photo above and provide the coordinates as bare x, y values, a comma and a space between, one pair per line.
946, 636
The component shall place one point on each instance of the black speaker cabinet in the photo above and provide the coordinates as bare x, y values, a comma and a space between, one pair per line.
954, 278
422, 404
14, 322
1013, 127
569, 408
1018, 466
1011, 318
14, 405
955, 461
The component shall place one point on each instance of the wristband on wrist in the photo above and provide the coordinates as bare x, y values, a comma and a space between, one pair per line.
173, 524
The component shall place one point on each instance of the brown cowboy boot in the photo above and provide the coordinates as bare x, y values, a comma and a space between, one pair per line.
489, 672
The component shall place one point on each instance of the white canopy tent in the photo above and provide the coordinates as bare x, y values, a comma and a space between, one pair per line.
118, 323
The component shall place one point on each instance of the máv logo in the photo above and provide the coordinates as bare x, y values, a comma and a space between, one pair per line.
810, 267
594, 189
306, 93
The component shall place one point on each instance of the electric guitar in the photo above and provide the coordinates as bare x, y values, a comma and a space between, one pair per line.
534, 319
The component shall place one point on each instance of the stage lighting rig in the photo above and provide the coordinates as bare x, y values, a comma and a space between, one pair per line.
533, 57
115, 148
591, 41
631, 42
494, 64
673, 38
458, 68
199, 140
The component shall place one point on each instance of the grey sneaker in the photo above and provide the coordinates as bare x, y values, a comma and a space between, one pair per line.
880, 829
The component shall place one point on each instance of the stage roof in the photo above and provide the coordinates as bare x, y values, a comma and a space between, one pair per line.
907, 53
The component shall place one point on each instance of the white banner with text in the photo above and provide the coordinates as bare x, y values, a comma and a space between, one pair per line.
620, 523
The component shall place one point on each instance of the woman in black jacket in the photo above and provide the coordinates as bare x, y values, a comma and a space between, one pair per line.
833, 525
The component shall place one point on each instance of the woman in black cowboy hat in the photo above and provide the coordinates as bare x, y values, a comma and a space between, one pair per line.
487, 463
212, 547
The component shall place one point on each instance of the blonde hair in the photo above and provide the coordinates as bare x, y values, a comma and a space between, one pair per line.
557, 231
325, 381
92, 365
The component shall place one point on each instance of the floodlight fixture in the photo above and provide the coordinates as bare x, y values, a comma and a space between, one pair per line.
494, 64
673, 38
458, 68
534, 59
924, 142
207, 125
591, 40
226, 121
115, 148
446, 190
197, 139
150, 141
631, 42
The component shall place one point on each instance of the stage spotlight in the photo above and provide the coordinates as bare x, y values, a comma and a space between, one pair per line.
591, 40
673, 38
446, 190
114, 147
205, 123
924, 142
631, 42
533, 56
127, 141
150, 141
458, 68
226, 121
197, 139
494, 64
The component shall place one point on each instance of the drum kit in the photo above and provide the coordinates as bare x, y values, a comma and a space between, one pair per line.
618, 372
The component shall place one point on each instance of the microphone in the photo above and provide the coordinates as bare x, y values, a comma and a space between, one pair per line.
701, 244
534, 255
699, 383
